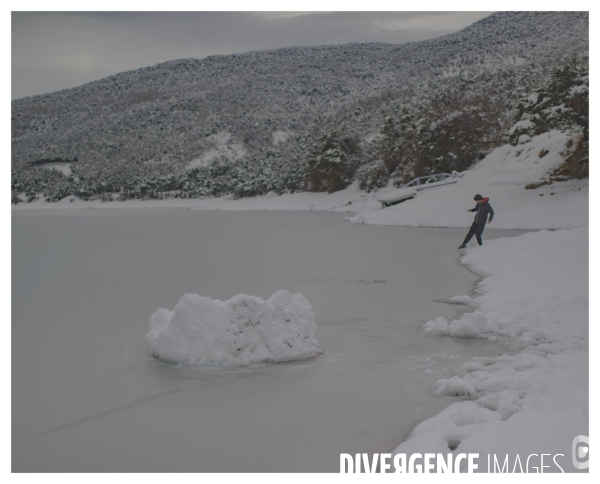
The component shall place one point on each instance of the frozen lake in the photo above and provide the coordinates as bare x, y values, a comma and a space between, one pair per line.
87, 396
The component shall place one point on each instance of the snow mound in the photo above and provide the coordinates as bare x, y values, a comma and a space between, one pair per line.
241, 331
471, 325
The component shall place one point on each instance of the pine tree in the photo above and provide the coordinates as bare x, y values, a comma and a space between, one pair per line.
333, 161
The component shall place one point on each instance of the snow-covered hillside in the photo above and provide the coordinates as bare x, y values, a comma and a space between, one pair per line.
502, 176
249, 123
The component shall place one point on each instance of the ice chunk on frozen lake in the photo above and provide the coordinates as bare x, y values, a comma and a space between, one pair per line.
238, 332
459, 300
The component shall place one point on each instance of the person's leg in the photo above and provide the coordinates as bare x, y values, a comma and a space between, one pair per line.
478, 233
470, 234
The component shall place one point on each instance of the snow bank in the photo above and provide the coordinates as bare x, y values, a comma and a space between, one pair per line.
535, 299
240, 331
502, 175
350, 200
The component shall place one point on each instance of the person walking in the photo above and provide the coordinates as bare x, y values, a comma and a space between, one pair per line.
482, 209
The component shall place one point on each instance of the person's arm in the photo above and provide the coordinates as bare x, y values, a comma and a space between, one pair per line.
473, 209
491, 212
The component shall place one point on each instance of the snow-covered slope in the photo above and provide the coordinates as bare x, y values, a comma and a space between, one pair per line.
502, 176
247, 122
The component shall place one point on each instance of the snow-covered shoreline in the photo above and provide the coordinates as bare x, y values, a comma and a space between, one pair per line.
534, 296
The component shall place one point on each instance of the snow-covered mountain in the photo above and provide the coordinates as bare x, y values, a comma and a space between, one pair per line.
256, 122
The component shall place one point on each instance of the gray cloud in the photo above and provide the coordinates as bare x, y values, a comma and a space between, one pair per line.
58, 50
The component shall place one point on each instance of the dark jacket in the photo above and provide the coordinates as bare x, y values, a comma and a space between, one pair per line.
483, 209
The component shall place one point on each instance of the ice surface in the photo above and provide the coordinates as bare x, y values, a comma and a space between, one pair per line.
84, 378
238, 332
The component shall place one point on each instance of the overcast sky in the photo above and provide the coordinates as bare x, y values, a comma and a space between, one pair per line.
58, 50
